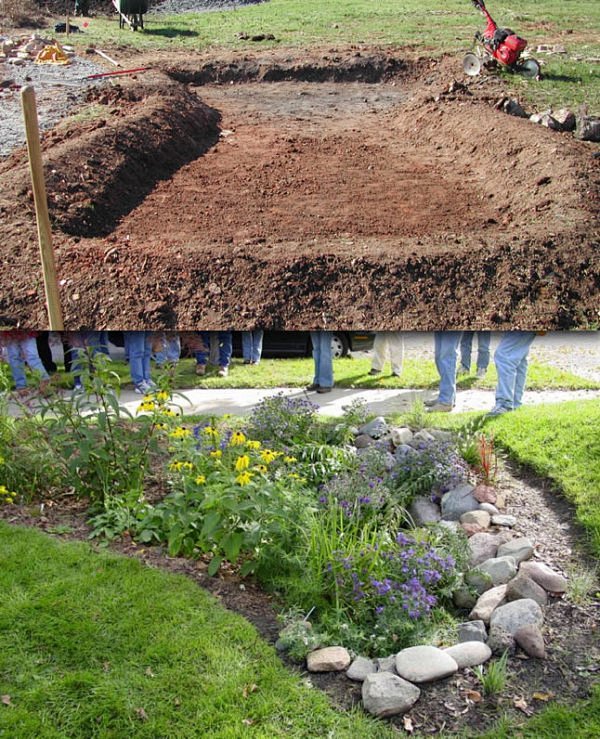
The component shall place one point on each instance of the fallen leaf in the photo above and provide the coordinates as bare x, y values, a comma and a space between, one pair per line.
473, 695
6, 700
408, 724
249, 689
141, 714
247, 721
106, 666
149, 672
521, 704
543, 696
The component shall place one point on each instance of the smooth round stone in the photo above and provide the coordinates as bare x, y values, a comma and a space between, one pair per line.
472, 631
524, 587
531, 641
469, 653
504, 519
543, 575
515, 614
500, 569
424, 663
521, 549
385, 694
328, 659
478, 517
360, 668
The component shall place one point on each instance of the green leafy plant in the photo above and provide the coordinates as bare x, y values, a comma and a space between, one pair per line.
493, 677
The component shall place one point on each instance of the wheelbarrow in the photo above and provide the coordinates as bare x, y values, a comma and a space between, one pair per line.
131, 12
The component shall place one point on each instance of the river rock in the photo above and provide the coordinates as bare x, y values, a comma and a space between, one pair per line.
471, 529
360, 668
376, 428
483, 546
362, 441
521, 549
543, 575
531, 641
489, 508
424, 663
499, 641
386, 664
441, 434
464, 597
421, 439
469, 653
566, 118
478, 517
504, 519
485, 493
511, 616
404, 451
472, 631
385, 694
401, 435
479, 580
423, 511
328, 659
458, 501
500, 569
524, 587
487, 604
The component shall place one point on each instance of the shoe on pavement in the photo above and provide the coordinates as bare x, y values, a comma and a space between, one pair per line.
200, 369
142, 388
498, 410
462, 371
312, 387
322, 389
440, 408
430, 402
481, 372
223, 371
375, 372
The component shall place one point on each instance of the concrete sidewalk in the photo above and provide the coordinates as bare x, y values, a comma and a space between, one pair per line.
380, 402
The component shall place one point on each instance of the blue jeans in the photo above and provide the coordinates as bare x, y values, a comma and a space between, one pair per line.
21, 351
322, 356
483, 349
138, 346
510, 359
171, 350
446, 356
225, 348
252, 345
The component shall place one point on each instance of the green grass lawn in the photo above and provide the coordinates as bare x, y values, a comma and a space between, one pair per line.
348, 372
433, 28
97, 645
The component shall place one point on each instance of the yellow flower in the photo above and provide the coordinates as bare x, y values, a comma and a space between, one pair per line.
268, 456
162, 396
237, 439
167, 412
242, 463
162, 426
146, 406
200, 480
180, 433
289, 460
210, 431
243, 478
217, 454
260, 468
179, 466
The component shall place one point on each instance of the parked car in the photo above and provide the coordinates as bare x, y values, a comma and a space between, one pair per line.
297, 343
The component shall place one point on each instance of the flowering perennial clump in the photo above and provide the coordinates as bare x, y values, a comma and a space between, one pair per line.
433, 466
284, 419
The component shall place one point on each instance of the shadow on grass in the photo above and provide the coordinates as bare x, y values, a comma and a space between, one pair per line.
552, 77
170, 32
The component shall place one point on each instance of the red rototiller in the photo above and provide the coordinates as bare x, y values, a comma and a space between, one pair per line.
498, 45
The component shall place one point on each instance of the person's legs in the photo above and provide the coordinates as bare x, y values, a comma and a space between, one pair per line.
380, 347
466, 347
16, 364
446, 355
324, 370
247, 346
31, 356
510, 359
135, 345
396, 351
483, 351
225, 348
42, 342
316, 352
201, 354
257, 341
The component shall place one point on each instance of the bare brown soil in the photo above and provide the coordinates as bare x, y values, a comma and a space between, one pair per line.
352, 189
453, 705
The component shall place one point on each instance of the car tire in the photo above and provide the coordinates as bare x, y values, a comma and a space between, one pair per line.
339, 345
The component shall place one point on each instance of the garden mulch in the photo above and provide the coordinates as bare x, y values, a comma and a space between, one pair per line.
452, 705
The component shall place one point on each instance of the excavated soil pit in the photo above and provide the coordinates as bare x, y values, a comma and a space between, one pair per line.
363, 191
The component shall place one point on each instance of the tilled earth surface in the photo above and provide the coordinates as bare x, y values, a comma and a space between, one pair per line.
455, 704
348, 189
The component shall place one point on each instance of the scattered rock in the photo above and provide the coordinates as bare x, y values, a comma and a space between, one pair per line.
566, 118
469, 653
512, 107
489, 508
471, 529
504, 520
588, 129
403, 452
401, 436
376, 428
384, 694
472, 631
550, 580
360, 668
521, 549
479, 580
515, 614
487, 604
362, 441
483, 546
421, 437
441, 434
524, 587
458, 501
500, 569
464, 598
387, 664
485, 494
424, 663
531, 641
328, 659
549, 121
478, 517
500, 641
423, 511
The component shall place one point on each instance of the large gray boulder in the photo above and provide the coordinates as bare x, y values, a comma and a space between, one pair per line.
521, 549
424, 664
483, 546
328, 659
469, 653
458, 501
423, 511
511, 616
385, 694
500, 569
524, 587
543, 575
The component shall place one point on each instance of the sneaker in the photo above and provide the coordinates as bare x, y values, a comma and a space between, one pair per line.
481, 372
143, 388
200, 369
223, 371
312, 387
248, 361
440, 408
322, 390
430, 402
498, 410
375, 372
396, 374
462, 371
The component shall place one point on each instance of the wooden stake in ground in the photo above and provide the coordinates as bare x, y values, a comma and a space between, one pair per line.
32, 132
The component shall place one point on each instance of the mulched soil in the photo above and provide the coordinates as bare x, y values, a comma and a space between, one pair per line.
453, 705
345, 188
